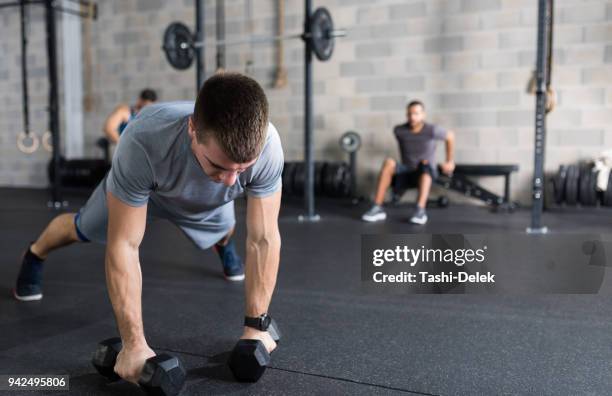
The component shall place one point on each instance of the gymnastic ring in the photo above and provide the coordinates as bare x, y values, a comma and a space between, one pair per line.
21, 138
46, 141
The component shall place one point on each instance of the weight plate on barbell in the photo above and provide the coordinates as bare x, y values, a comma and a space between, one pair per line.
178, 45
321, 25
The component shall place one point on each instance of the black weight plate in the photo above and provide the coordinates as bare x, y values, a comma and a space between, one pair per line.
178, 45
339, 180
299, 177
559, 184
319, 169
587, 194
336, 176
288, 173
593, 188
323, 180
571, 184
607, 195
350, 141
344, 186
321, 24
583, 185
331, 174
328, 178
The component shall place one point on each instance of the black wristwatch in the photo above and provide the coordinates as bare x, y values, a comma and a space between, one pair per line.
261, 322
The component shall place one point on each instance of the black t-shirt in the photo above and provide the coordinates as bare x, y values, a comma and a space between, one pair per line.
416, 147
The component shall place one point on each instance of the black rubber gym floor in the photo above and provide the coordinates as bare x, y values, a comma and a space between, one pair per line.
338, 337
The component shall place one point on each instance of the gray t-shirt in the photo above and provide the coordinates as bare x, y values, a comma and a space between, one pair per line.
154, 162
416, 147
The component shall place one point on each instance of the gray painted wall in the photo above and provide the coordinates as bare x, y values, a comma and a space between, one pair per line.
469, 60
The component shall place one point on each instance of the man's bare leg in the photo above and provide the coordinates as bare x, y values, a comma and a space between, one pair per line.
424, 187
60, 232
376, 212
384, 180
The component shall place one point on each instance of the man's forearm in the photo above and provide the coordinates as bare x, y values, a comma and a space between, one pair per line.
111, 134
262, 259
450, 149
124, 282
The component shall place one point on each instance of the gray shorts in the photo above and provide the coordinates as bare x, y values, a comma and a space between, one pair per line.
405, 170
92, 220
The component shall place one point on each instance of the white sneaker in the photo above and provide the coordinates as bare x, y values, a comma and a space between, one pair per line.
376, 213
419, 217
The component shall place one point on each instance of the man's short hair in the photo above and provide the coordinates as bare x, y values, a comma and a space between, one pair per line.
416, 103
148, 94
232, 108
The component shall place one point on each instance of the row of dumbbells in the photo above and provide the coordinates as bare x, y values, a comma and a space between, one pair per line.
577, 184
164, 374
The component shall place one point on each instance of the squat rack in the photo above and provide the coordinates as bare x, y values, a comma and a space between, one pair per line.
51, 6
182, 46
543, 81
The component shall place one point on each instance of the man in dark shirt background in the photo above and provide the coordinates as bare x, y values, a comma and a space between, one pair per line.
417, 145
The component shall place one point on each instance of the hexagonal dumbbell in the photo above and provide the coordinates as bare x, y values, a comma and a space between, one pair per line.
162, 375
249, 358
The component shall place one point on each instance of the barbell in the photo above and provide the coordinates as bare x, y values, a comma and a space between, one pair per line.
179, 43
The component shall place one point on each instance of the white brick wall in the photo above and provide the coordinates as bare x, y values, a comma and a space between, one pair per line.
469, 60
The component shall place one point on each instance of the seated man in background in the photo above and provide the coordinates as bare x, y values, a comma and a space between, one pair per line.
417, 145
117, 121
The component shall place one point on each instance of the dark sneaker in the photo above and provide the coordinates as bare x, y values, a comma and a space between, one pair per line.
419, 216
376, 213
29, 281
233, 268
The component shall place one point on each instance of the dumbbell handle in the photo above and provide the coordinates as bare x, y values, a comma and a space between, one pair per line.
148, 372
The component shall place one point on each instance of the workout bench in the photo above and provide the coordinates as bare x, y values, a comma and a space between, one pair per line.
459, 181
